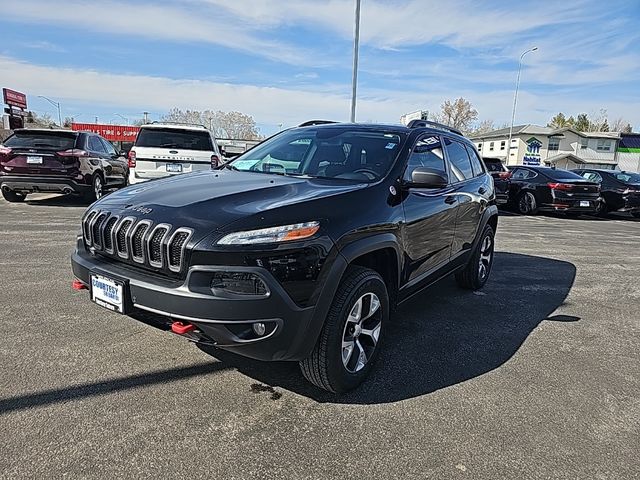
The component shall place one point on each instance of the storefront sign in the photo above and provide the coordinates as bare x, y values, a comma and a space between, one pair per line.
115, 133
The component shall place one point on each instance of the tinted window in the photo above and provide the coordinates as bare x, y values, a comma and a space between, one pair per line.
592, 176
475, 161
459, 159
427, 152
57, 141
494, 166
627, 177
174, 138
328, 152
558, 174
95, 145
523, 174
108, 146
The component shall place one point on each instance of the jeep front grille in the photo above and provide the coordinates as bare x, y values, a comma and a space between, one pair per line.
136, 241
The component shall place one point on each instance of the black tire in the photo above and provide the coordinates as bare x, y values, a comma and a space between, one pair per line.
13, 197
326, 367
527, 203
602, 210
474, 276
97, 189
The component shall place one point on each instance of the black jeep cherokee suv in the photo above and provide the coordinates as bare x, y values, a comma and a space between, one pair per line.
300, 248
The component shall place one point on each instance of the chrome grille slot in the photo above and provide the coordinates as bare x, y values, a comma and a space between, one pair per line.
137, 240
107, 234
122, 246
154, 244
94, 226
86, 228
176, 246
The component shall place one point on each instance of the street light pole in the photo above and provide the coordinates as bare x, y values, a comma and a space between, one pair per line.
122, 117
55, 104
515, 101
356, 44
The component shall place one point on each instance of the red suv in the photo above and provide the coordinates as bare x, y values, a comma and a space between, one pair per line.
59, 161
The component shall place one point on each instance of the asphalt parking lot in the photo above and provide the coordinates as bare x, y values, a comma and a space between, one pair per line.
537, 376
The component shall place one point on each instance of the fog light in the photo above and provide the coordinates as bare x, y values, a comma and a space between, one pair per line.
238, 283
259, 328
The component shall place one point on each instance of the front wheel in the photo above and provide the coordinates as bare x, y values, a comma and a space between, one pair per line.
350, 339
476, 272
13, 197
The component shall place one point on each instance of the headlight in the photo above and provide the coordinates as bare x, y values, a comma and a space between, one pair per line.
284, 233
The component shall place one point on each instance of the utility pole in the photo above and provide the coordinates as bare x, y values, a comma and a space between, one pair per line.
356, 43
146, 117
55, 104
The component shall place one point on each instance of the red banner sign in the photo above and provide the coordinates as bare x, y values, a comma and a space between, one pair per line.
115, 133
13, 98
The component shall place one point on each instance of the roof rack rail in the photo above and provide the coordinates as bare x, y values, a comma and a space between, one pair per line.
315, 122
162, 122
427, 123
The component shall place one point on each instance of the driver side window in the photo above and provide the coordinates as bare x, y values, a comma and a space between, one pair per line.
427, 152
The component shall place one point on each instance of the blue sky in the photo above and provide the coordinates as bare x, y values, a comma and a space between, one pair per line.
286, 62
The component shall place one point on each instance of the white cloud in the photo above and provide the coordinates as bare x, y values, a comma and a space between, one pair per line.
272, 106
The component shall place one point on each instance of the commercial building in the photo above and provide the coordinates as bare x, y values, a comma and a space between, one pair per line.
628, 152
563, 147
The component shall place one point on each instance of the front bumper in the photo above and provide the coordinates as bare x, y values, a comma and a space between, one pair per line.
222, 322
41, 183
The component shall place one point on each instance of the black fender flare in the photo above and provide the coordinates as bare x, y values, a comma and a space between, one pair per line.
345, 256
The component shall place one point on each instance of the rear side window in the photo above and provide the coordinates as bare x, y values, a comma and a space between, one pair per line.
57, 141
592, 176
95, 145
426, 153
493, 166
174, 138
522, 174
476, 164
459, 158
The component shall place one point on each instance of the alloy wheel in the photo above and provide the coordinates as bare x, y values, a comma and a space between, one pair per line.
361, 332
486, 256
97, 187
527, 203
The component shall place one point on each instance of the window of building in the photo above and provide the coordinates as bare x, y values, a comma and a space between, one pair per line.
603, 145
479, 146
584, 143
554, 144
503, 144
491, 146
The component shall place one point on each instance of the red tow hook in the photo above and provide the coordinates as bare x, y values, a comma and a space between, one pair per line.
78, 285
182, 328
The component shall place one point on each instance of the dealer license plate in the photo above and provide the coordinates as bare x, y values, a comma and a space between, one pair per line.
174, 167
585, 203
32, 159
107, 293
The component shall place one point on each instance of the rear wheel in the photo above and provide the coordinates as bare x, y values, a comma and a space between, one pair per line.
97, 188
13, 197
350, 339
477, 271
602, 210
527, 204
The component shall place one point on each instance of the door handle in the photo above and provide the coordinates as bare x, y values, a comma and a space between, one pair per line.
482, 191
450, 200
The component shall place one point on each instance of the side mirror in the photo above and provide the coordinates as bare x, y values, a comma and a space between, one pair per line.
424, 177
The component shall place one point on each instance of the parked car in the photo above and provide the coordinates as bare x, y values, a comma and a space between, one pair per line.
501, 176
165, 149
620, 191
299, 248
534, 189
60, 161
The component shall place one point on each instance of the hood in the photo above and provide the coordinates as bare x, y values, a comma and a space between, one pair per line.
210, 200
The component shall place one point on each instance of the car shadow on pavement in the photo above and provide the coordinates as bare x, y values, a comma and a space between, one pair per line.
445, 335
57, 200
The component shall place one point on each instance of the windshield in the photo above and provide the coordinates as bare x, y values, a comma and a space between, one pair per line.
174, 138
627, 177
54, 140
329, 152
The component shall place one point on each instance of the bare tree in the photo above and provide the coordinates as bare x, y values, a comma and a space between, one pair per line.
621, 125
32, 119
484, 126
235, 125
599, 123
458, 114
